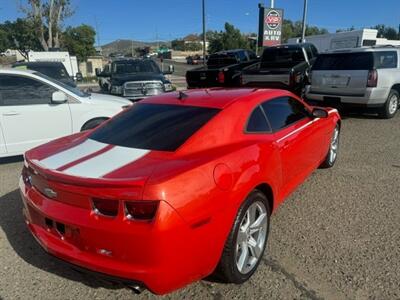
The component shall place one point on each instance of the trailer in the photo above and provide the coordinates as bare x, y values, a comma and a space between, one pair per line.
346, 39
70, 62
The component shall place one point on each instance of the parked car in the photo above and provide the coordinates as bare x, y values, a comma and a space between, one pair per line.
222, 69
52, 69
178, 186
284, 67
361, 77
35, 109
136, 79
194, 59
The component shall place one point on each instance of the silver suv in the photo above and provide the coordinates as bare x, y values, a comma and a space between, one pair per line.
365, 77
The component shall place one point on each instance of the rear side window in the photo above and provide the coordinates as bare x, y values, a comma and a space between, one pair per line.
345, 61
283, 112
257, 122
154, 126
385, 59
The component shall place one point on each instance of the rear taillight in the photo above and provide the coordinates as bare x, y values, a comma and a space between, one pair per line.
221, 77
141, 210
26, 176
372, 78
105, 207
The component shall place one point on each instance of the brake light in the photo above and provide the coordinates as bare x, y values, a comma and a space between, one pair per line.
105, 207
141, 210
221, 77
26, 176
372, 78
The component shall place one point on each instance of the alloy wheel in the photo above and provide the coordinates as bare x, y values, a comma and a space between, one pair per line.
334, 145
251, 237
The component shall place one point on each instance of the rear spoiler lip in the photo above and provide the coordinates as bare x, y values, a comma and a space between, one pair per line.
61, 177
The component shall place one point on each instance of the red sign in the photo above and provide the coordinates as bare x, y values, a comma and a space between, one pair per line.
272, 31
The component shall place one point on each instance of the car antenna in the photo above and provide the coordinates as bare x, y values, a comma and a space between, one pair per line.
182, 96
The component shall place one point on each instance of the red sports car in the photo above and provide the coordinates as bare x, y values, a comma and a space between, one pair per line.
176, 187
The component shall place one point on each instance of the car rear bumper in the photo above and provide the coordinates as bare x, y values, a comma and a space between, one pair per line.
371, 97
150, 254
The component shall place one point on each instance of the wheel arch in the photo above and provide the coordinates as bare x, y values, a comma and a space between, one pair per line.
266, 189
396, 87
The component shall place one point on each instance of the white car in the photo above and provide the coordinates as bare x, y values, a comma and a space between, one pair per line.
35, 109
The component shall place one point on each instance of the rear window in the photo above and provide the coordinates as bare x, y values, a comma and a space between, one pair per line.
282, 57
160, 127
345, 61
222, 59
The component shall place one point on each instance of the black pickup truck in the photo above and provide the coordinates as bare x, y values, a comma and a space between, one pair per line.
136, 79
222, 69
284, 67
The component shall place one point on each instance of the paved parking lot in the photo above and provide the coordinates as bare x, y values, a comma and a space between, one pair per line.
337, 237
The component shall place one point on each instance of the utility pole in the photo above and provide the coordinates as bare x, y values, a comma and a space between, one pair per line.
303, 35
97, 31
132, 47
272, 3
204, 32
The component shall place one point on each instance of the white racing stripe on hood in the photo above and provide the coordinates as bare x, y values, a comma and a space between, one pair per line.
106, 162
67, 156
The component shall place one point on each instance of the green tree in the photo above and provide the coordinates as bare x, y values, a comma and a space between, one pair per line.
19, 35
231, 38
80, 41
178, 45
387, 32
47, 17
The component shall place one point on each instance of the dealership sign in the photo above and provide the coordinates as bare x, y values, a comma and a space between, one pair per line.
270, 31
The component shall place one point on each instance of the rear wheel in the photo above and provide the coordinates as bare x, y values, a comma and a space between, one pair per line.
391, 106
246, 243
331, 157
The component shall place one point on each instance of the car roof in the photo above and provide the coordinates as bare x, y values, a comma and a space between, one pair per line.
364, 49
16, 71
38, 63
214, 98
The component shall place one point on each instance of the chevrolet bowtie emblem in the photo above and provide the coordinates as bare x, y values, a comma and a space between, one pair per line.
50, 193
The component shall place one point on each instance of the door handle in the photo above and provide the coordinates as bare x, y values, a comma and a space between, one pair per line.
11, 113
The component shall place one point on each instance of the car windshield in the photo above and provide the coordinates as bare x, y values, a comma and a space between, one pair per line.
76, 91
135, 66
345, 61
286, 57
160, 127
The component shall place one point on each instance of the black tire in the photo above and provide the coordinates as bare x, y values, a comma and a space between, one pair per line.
387, 111
330, 161
227, 269
93, 123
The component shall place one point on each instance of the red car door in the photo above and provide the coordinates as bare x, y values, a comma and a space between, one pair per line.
295, 138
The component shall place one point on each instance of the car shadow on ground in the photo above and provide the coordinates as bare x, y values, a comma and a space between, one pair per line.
23, 243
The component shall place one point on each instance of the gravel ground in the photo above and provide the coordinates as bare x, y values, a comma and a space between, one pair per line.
336, 237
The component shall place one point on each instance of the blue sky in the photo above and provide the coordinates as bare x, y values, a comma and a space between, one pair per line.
143, 20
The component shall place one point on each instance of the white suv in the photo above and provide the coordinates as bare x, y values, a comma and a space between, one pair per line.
35, 109
365, 77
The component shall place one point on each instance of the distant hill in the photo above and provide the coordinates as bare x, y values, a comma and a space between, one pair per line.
125, 46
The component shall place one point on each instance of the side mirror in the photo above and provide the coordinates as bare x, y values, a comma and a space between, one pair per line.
171, 69
319, 113
79, 76
58, 97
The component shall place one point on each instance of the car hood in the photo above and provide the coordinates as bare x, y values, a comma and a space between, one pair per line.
108, 99
122, 78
